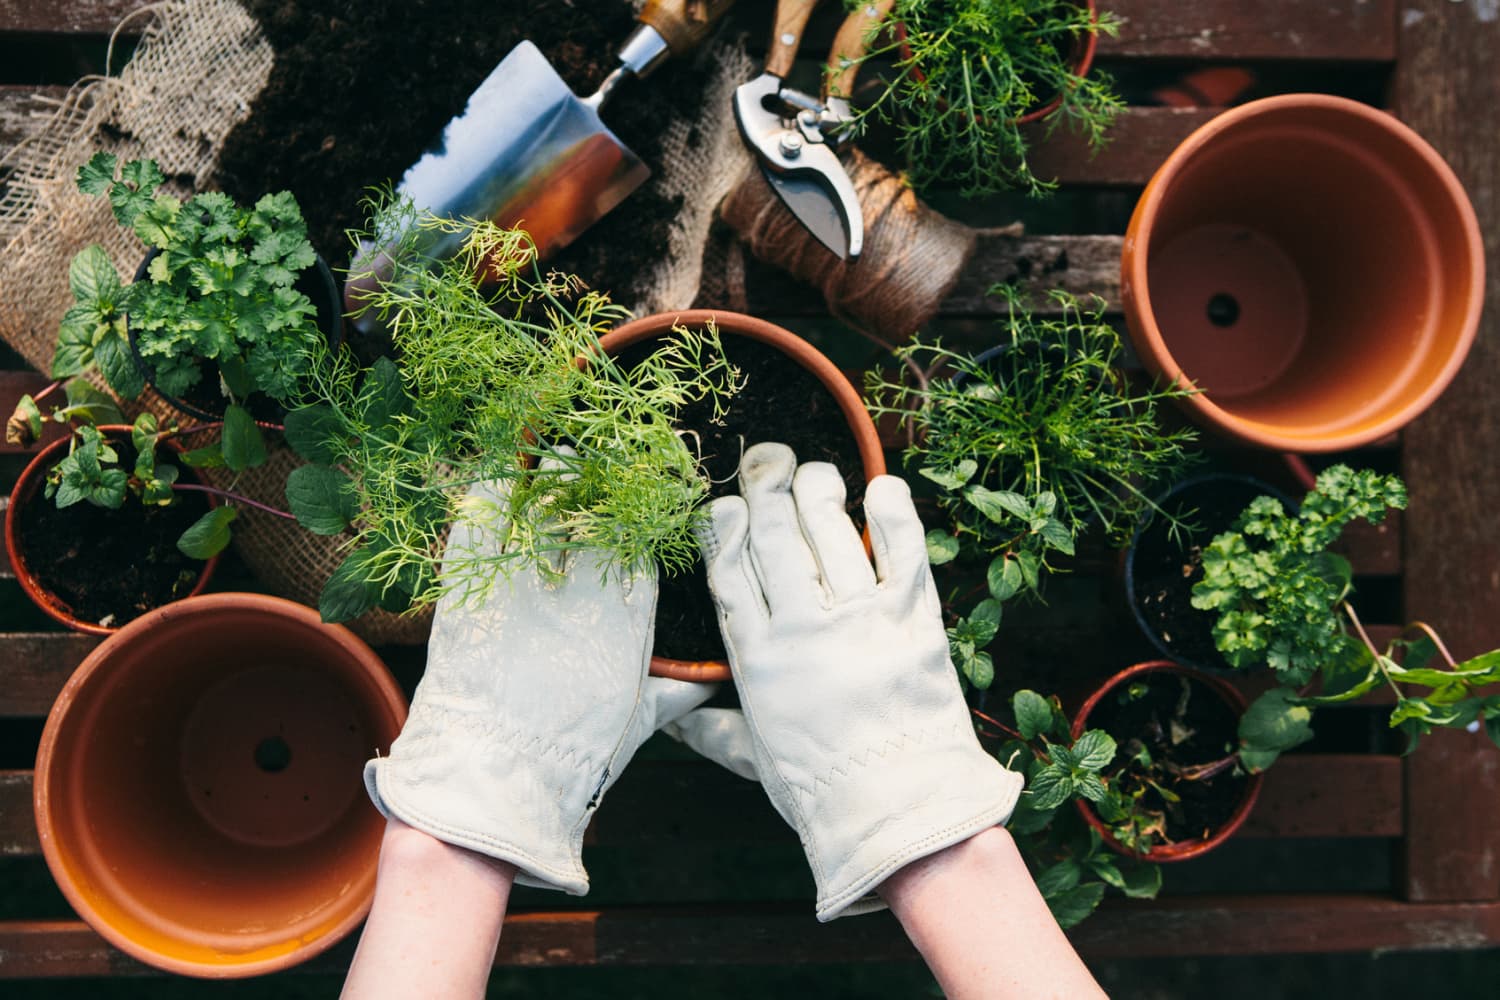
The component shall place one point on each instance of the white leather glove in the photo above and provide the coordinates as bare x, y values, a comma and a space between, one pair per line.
532, 704
855, 720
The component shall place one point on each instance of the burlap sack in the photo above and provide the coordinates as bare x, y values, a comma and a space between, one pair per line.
195, 74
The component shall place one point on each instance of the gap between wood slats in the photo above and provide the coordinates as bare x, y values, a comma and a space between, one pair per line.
1323, 795
788, 933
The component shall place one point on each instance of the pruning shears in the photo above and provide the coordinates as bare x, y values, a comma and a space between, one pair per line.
795, 135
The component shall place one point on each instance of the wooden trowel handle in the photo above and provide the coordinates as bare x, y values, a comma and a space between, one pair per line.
850, 45
786, 35
682, 24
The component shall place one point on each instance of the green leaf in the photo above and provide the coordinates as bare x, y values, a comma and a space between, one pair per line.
954, 478
1142, 880
1033, 713
384, 395
1031, 569
208, 535
941, 546
1074, 906
25, 424
210, 456
1050, 787
997, 505
1059, 878
986, 620
95, 176
1273, 723
92, 277
90, 403
980, 669
313, 433
1094, 749
348, 594
321, 498
1057, 536
1004, 578
244, 447
118, 366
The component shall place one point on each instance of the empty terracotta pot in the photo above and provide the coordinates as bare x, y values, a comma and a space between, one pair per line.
1310, 264
198, 784
732, 324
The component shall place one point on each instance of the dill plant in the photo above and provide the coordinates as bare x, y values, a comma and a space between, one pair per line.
1030, 447
966, 71
508, 384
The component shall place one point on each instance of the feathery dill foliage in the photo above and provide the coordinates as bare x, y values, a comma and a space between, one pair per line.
488, 383
974, 68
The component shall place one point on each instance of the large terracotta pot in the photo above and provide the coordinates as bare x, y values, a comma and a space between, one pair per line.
198, 784
29, 489
1309, 263
1219, 688
732, 324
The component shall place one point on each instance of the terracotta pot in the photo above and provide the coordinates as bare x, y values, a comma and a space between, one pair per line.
872, 456
1209, 503
1181, 850
1309, 263
316, 283
29, 489
1084, 48
198, 785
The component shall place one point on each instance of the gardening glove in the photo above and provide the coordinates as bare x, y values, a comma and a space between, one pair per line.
532, 704
853, 714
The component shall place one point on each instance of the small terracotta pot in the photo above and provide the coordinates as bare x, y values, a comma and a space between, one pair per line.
1084, 48
871, 455
198, 785
1309, 263
28, 489
1182, 850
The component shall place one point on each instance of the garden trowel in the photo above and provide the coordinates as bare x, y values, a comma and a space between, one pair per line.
527, 152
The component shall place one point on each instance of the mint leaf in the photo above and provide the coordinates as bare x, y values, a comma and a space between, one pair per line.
1033, 713
208, 535
243, 445
322, 499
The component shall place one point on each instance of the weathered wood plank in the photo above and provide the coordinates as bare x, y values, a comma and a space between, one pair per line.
35, 665
787, 933
18, 838
1446, 66
1139, 141
1330, 795
1345, 30
21, 111
65, 17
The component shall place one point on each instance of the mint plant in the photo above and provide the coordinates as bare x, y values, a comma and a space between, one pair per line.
1282, 599
1030, 448
966, 71
1072, 866
500, 384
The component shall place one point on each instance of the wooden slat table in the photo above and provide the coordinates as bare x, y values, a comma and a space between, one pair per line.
1395, 853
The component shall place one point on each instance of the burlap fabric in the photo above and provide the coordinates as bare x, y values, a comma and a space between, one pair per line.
195, 74
911, 260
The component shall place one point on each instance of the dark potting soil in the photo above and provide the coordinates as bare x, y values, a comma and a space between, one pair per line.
111, 566
1150, 711
359, 90
779, 401
1166, 567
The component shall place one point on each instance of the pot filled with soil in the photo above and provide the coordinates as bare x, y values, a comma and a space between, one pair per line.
791, 394
199, 793
1165, 560
1310, 264
93, 568
1176, 730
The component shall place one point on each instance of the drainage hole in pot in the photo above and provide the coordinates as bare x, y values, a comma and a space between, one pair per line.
272, 754
1223, 310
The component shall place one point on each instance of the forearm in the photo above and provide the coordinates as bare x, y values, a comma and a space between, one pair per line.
435, 923
974, 913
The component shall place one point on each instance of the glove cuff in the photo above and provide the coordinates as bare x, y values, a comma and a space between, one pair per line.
909, 812
547, 854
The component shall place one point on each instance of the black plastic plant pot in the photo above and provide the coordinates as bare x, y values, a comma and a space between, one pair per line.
203, 400
1161, 565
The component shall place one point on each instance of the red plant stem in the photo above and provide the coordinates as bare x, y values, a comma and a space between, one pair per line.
998, 725
1437, 641
1202, 772
47, 391
193, 487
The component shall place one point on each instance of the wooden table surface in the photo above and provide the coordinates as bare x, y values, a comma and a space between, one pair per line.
1352, 848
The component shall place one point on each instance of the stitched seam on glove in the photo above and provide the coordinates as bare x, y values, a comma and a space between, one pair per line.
436, 719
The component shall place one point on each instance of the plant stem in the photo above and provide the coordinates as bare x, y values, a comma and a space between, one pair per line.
238, 498
1437, 641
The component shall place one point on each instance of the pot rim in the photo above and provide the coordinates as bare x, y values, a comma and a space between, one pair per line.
1135, 287
28, 488
856, 417
1181, 850
359, 654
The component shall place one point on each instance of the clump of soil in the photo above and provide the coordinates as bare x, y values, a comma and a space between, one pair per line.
111, 566
1182, 723
358, 91
780, 401
1168, 564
